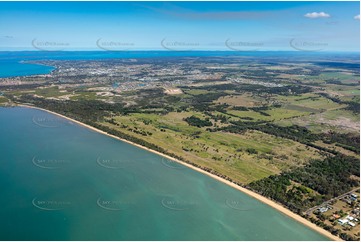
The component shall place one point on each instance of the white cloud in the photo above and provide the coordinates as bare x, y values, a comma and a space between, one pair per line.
357, 17
317, 15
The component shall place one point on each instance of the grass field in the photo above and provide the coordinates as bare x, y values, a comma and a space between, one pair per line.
310, 100
244, 100
224, 152
337, 148
343, 77
339, 120
338, 75
49, 92
274, 114
196, 92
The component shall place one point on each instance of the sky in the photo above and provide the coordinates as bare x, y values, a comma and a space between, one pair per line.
239, 26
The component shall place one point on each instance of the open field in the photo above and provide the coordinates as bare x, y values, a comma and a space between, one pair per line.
239, 100
310, 100
224, 152
334, 120
273, 114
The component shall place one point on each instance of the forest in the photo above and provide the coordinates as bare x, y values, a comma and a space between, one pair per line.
329, 178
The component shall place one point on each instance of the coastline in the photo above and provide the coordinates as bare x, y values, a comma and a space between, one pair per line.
39, 64
250, 193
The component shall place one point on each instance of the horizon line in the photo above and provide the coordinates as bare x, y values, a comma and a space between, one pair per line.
163, 50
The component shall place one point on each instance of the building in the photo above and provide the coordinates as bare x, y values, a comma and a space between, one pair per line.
342, 221
351, 224
323, 209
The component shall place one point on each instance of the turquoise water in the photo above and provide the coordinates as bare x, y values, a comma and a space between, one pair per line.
61, 181
15, 68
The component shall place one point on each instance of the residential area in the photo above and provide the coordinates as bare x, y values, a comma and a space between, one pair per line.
341, 216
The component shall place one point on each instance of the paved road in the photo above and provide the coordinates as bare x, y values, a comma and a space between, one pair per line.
310, 210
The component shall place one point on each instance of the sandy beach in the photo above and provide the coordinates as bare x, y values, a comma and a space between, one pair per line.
244, 190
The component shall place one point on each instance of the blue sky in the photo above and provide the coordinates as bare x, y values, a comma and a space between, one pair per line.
309, 26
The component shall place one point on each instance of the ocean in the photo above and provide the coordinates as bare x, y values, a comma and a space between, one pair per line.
62, 181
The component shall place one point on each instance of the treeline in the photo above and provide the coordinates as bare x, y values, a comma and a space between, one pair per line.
351, 105
259, 109
297, 133
83, 110
204, 102
330, 177
294, 132
257, 89
347, 141
130, 138
194, 121
338, 82
159, 149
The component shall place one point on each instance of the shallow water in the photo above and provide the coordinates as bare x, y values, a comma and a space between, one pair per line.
61, 181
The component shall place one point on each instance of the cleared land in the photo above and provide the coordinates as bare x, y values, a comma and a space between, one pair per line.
225, 152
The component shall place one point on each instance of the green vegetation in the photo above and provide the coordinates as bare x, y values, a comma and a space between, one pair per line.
194, 121
3, 100
327, 178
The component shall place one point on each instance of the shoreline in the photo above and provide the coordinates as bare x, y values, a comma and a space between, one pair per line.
250, 193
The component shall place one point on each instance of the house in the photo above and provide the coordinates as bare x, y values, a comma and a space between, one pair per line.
350, 218
353, 198
351, 224
336, 216
323, 209
342, 221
